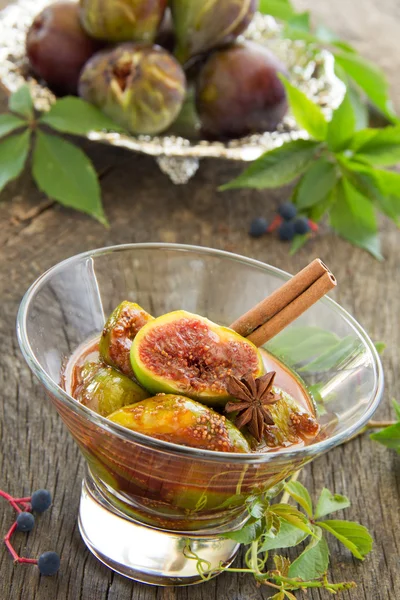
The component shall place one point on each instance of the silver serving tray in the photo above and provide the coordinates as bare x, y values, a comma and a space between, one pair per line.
310, 68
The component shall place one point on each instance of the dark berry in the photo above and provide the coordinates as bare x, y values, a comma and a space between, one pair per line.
25, 521
41, 500
258, 227
301, 225
287, 210
49, 563
286, 231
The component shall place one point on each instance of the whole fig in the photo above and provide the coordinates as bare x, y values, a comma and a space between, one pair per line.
58, 47
202, 26
141, 87
238, 91
122, 20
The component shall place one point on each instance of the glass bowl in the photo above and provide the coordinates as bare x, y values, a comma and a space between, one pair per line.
144, 500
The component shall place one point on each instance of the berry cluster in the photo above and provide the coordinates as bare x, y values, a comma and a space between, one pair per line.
48, 562
287, 222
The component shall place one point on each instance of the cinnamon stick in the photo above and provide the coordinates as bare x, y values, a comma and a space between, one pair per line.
269, 317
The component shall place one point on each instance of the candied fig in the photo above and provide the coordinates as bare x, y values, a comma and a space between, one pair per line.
105, 390
202, 26
291, 423
122, 21
182, 353
141, 87
239, 92
118, 333
182, 421
58, 47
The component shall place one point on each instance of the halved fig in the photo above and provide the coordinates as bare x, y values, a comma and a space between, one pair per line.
182, 353
105, 390
118, 333
182, 421
291, 423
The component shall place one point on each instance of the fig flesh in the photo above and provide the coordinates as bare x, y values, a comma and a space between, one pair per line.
105, 390
182, 421
202, 26
238, 92
57, 46
120, 329
141, 87
124, 20
182, 353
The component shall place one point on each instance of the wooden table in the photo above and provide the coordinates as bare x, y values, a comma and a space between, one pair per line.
142, 205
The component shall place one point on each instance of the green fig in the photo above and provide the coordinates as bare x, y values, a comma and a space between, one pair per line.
182, 421
202, 26
122, 20
118, 333
105, 390
141, 87
182, 353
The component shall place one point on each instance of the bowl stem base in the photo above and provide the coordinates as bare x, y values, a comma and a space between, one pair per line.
144, 553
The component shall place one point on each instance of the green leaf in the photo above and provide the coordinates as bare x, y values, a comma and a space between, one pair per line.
342, 125
316, 183
287, 537
301, 343
13, 153
278, 596
9, 123
396, 407
313, 561
63, 172
353, 217
329, 503
389, 437
280, 9
249, 533
298, 242
333, 356
300, 494
380, 148
307, 114
292, 516
387, 181
380, 347
301, 21
75, 116
369, 78
282, 564
21, 102
277, 167
354, 536
360, 108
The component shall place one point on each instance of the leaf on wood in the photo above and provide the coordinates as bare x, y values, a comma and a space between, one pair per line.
300, 494
13, 154
9, 123
354, 536
64, 173
342, 125
389, 437
381, 147
316, 183
313, 561
21, 103
307, 114
277, 167
288, 536
329, 503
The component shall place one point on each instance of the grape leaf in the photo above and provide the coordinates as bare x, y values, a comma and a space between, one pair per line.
301, 343
380, 347
329, 503
63, 172
389, 437
9, 123
75, 116
300, 494
353, 218
21, 102
333, 356
352, 535
280, 9
292, 516
313, 561
360, 108
307, 114
369, 78
298, 242
342, 125
247, 534
13, 153
287, 537
277, 167
315, 184
380, 148
396, 407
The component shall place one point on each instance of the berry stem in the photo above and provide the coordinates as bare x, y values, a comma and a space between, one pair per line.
8, 544
275, 224
29, 561
23, 500
11, 500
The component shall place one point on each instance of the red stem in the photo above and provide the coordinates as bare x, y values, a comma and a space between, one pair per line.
23, 500
29, 561
8, 543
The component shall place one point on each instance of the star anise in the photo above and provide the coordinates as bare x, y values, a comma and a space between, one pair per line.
253, 398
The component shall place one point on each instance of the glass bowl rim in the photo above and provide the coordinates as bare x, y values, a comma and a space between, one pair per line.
306, 452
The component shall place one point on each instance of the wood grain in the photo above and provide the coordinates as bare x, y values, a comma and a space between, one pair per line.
143, 205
